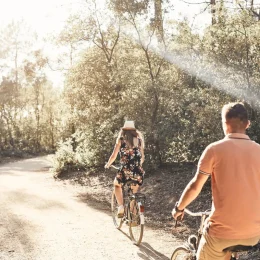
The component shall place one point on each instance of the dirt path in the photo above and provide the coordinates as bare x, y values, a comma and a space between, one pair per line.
41, 219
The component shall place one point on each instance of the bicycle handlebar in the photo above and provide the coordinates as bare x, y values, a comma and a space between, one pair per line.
113, 166
197, 214
193, 214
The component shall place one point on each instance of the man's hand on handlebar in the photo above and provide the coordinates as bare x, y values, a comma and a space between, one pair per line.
177, 215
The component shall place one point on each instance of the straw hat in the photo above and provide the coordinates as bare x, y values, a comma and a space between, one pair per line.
129, 125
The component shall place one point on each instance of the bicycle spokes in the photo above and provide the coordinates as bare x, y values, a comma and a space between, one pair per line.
114, 208
136, 226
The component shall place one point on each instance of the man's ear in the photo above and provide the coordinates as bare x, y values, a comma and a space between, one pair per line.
248, 124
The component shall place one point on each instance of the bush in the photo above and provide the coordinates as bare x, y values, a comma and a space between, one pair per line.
64, 157
73, 154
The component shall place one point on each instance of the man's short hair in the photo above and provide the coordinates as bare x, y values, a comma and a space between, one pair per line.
235, 110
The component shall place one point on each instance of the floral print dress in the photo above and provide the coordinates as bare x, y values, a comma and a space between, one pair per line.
130, 163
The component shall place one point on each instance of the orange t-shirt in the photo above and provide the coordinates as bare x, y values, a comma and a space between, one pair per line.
234, 166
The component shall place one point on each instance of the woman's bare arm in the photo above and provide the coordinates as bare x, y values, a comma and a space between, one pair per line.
142, 152
113, 155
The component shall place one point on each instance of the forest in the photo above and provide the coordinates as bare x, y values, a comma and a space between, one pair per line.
129, 60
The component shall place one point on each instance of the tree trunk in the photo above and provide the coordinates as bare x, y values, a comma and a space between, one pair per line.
154, 130
16, 67
221, 15
252, 4
37, 116
74, 144
213, 11
52, 130
158, 19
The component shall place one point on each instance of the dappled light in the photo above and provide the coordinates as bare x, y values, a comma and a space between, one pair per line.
117, 60
43, 219
71, 73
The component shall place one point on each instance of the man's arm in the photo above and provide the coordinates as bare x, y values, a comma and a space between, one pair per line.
191, 192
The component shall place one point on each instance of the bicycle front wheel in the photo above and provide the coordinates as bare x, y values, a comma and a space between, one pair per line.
114, 207
182, 253
136, 223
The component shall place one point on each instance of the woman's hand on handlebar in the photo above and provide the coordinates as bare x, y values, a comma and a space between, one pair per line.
107, 166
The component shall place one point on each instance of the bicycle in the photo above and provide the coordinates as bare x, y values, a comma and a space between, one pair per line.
133, 211
189, 249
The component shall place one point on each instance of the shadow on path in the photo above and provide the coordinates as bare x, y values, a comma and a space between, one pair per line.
147, 252
37, 164
15, 236
94, 202
21, 197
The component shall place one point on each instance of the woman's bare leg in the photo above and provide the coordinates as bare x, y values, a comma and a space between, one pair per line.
132, 203
135, 188
118, 193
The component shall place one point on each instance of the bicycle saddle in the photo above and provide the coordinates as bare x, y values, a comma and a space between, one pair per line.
131, 182
238, 248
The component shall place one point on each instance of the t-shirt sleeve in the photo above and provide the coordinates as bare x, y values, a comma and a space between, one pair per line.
206, 161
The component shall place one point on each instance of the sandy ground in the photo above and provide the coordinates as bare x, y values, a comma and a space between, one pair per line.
44, 219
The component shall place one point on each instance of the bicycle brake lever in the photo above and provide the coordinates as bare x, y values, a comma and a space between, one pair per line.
176, 221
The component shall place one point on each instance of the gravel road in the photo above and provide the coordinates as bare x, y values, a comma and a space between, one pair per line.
42, 219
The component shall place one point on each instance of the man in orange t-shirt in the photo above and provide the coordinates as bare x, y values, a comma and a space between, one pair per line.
234, 166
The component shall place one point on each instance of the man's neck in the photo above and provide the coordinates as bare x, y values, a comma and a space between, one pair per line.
237, 132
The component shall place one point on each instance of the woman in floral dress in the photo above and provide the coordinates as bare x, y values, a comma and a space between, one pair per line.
130, 146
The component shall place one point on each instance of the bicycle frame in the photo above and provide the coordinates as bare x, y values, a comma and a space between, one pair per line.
133, 210
192, 244
129, 196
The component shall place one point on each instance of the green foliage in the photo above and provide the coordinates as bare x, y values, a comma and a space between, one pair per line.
78, 152
28, 102
64, 157
170, 80
177, 111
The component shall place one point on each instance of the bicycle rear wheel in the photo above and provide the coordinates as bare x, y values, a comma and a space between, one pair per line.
182, 253
114, 207
249, 255
136, 223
